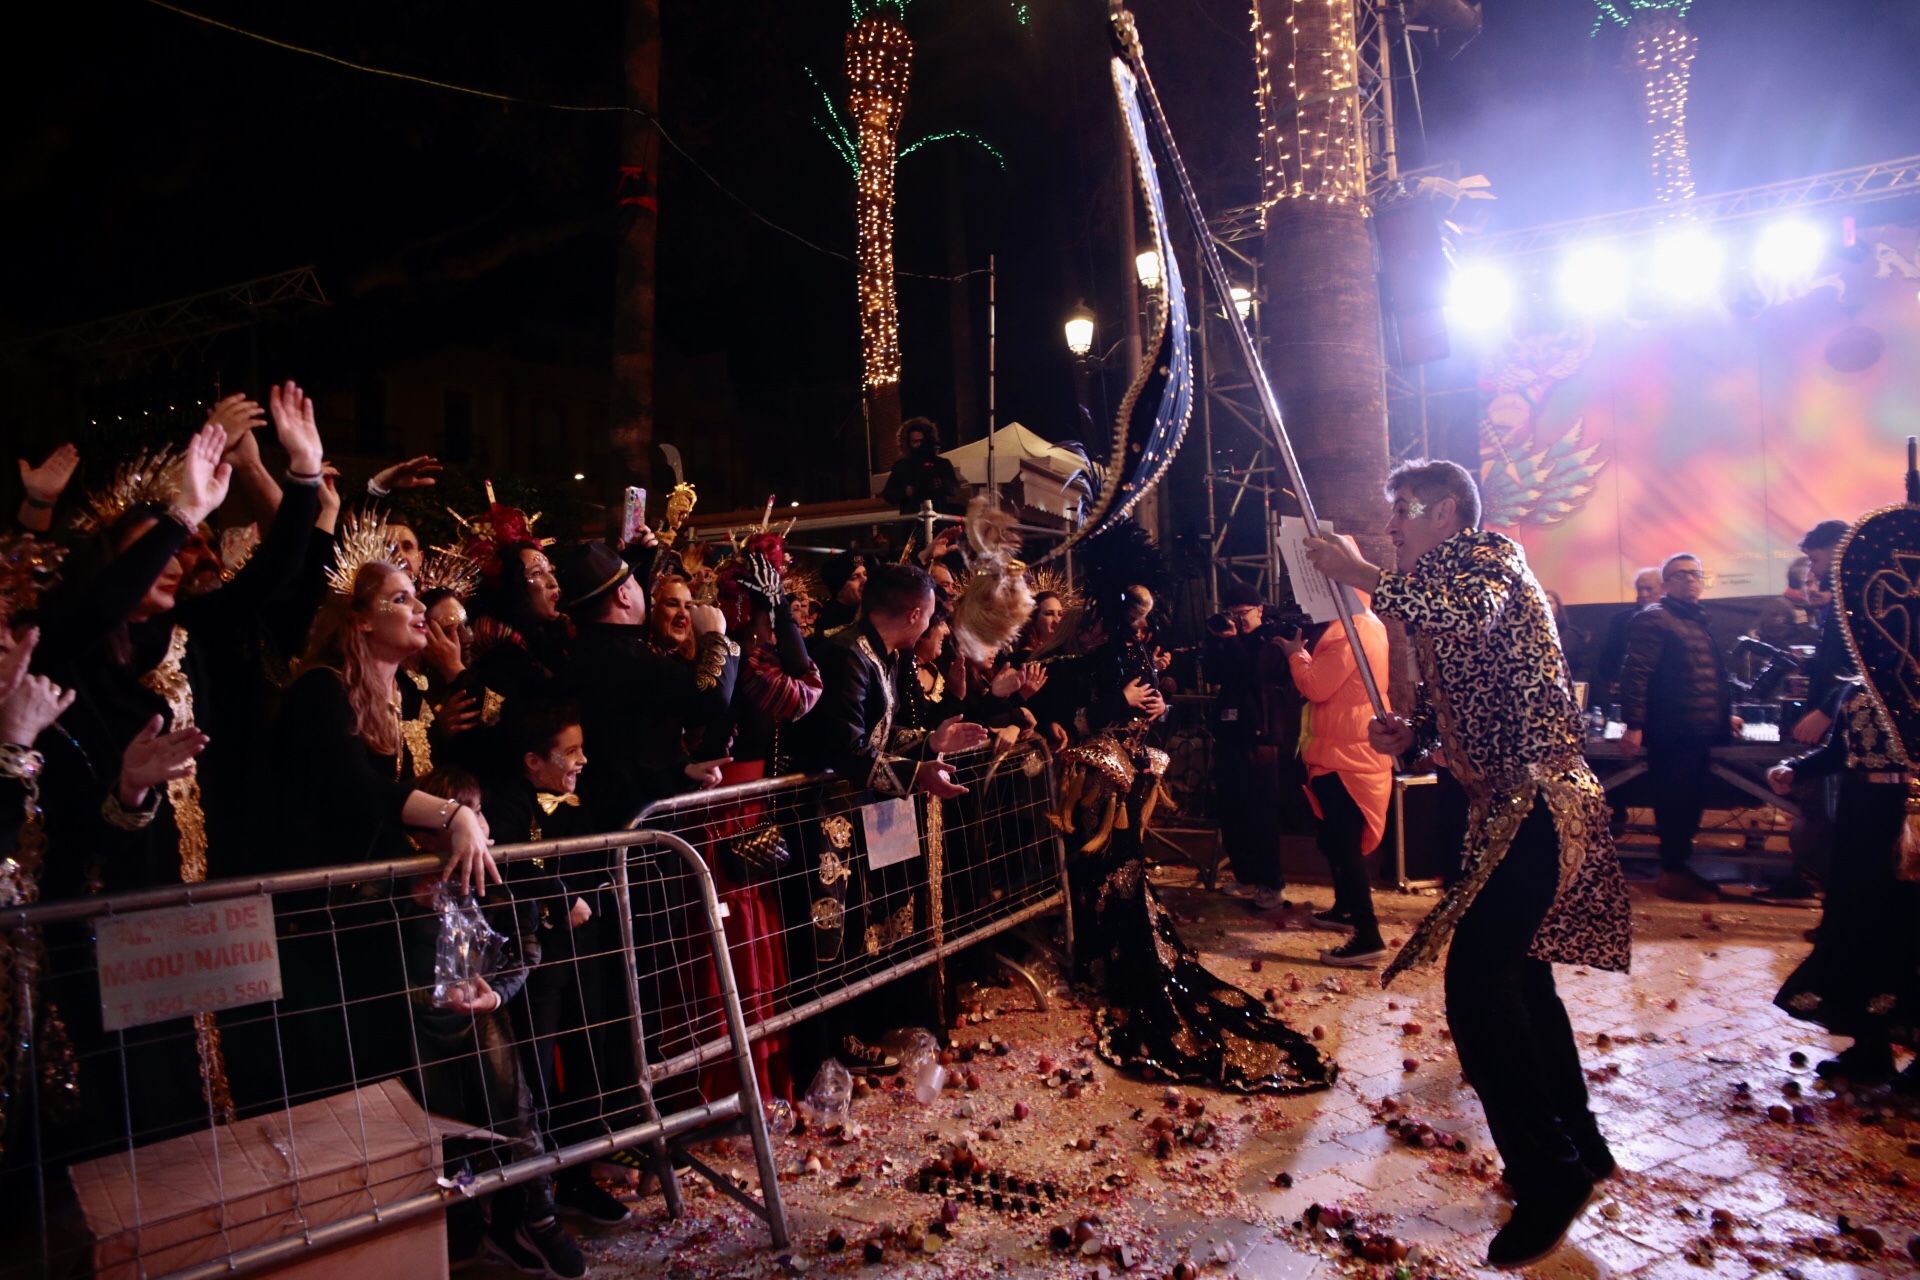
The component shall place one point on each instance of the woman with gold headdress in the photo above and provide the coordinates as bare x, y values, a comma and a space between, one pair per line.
169, 656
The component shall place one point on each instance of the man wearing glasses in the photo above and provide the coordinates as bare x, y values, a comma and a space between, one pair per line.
1678, 705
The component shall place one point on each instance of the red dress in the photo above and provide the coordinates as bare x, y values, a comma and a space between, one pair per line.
754, 943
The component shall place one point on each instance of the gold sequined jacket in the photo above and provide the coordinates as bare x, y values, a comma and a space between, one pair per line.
1501, 702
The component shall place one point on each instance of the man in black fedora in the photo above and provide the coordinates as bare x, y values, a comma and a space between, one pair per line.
636, 702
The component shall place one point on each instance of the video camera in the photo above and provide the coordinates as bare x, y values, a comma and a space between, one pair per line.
1276, 620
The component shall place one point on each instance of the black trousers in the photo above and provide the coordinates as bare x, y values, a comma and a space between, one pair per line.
1342, 828
1677, 777
1244, 789
1509, 1027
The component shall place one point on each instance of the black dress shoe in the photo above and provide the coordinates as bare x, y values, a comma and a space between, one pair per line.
1539, 1223
1859, 1064
1595, 1156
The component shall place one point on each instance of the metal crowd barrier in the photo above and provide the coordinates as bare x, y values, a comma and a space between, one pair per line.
221, 1078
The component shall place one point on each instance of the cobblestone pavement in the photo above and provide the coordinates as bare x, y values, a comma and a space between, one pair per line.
1687, 1058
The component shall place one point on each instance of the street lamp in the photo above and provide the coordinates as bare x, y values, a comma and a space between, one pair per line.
1242, 300
1079, 328
1146, 265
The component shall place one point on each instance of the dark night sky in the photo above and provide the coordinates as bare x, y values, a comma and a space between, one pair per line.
151, 157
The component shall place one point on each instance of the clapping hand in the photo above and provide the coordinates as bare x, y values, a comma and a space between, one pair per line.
238, 416
16, 651
299, 433
414, 473
28, 703
1006, 682
956, 734
154, 758
203, 477
45, 483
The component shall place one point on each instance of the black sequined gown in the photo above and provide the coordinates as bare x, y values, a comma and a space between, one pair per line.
1165, 1016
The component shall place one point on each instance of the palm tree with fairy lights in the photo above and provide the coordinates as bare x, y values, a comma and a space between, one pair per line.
1662, 48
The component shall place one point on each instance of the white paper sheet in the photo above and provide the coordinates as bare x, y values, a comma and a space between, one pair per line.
893, 833
1311, 590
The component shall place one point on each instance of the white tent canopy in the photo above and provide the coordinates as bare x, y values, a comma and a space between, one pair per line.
1051, 479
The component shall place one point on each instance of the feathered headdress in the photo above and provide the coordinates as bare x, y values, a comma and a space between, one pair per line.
499, 525
997, 600
149, 477
362, 540
450, 569
28, 567
1125, 574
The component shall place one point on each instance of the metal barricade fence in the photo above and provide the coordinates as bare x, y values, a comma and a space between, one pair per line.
221, 1077
818, 912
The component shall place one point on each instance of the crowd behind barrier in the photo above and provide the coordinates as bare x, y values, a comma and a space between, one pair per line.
241, 1073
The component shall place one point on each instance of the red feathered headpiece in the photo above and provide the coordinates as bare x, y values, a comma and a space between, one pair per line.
498, 526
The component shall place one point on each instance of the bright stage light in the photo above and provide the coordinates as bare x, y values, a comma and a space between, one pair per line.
1480, 296
1789, 250
1593, 280
1686, 266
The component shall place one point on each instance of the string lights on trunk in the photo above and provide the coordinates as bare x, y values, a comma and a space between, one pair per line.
879, 66
1307, 94
1662, 49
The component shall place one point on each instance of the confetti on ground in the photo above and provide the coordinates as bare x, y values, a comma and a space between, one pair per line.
1736, 1159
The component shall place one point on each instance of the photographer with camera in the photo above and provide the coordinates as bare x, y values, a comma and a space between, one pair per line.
1246, 756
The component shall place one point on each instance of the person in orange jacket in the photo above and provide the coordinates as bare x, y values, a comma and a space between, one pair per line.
1348, 782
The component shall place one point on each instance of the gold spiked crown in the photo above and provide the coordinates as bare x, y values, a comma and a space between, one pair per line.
362, 540
152, 477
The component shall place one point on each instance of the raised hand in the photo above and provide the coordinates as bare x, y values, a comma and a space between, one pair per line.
707, 619
414, 473
203, 477
239, 416
293, 422
956, 734
329, 497
45, 483
1033, 678
763, 580
154, 758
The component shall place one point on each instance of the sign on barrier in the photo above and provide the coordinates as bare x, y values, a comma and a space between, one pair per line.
892, 833
156, 965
